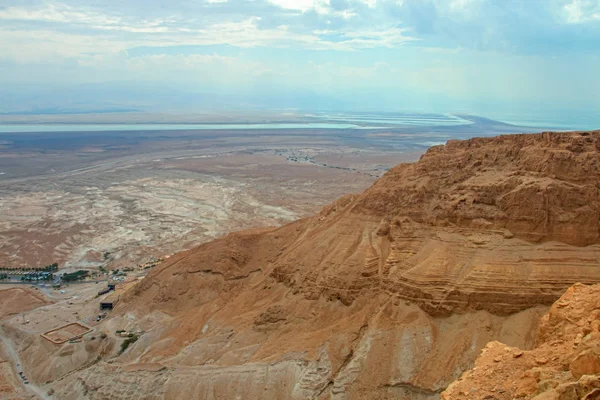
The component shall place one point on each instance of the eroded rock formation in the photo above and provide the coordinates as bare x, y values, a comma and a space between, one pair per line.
564, 365
388, 294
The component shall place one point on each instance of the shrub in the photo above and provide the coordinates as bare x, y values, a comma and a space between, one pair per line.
130, 340
75, 276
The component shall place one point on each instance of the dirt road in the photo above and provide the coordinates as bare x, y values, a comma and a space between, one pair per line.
16, 362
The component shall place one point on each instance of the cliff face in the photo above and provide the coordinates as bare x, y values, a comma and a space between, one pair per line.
387, 294
443, 232
564, 365
540, 187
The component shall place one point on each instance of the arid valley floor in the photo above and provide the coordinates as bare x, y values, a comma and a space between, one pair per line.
71, 197
169, 197
348, 262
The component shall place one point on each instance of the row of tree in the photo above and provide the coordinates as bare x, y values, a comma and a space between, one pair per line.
48, 268
75, 276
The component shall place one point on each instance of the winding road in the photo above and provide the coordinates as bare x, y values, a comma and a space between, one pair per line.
16, 361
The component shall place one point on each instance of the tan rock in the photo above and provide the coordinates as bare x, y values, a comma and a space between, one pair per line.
586, 363
570, 391
550, 395
593, 395
307, 310
526, 387
559, 373
517, 353
508, 234
546, 385
590, 381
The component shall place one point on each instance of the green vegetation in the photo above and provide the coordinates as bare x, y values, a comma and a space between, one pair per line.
3, 277
51, 268
48, 268
75, 276
130, 340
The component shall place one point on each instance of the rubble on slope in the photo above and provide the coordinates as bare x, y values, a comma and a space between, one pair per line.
564, 365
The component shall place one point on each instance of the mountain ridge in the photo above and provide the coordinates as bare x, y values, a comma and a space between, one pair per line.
385, 294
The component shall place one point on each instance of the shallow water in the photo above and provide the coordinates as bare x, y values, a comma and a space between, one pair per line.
12, 128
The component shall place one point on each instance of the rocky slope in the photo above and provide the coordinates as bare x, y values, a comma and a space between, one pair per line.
564, 365
388, 294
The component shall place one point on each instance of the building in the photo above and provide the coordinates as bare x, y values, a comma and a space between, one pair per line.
107, 289
110, 301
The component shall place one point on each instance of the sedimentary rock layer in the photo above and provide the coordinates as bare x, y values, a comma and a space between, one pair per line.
564, 365
386, 294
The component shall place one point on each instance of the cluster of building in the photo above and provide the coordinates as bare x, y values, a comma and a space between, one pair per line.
111, 286
152, 263
37, 276
110, 301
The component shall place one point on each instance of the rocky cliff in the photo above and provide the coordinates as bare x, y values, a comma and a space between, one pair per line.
388, 294
564, 365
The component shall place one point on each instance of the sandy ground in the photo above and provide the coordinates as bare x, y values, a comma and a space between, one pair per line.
25, 313
78, 303
11, 386
15, 299
15, 303
118, 206
149, 208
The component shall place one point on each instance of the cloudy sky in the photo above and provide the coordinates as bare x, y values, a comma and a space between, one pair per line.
481, 56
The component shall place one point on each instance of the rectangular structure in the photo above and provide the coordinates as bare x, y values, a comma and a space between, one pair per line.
66, 332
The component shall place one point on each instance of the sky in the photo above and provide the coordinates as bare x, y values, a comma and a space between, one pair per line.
521, 57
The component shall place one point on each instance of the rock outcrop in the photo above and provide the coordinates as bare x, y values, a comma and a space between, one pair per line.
443, 231
388, 294
564, 365
539, 187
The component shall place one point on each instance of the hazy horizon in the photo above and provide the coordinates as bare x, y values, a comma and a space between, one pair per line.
534, 60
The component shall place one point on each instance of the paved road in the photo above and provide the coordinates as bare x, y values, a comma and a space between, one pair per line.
18, 366
50, 283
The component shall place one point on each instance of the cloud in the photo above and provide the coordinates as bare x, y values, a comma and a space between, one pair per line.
319, 6
390, 37
63, 15
462, 5
369, 3
455, 49
56, 12
50, 26
580, 11
209, 70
